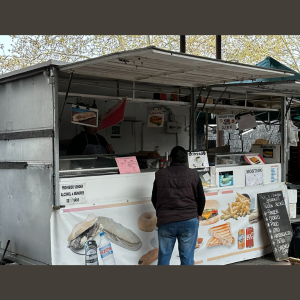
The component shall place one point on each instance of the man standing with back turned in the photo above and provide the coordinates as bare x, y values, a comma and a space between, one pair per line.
179, 200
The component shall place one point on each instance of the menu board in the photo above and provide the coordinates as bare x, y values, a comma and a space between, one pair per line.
277, 223
127, 165
226, 122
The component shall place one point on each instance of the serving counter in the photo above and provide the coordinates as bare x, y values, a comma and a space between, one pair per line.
124, 202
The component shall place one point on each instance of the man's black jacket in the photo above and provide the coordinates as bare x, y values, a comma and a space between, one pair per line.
177, 194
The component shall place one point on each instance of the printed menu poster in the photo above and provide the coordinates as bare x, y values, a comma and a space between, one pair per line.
127, 165
226, 122
231, 227
254, 159
274, 174
198, 160
254, 177
155, 118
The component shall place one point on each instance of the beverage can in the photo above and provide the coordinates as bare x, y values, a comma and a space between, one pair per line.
241, 239
249, 237
91, 256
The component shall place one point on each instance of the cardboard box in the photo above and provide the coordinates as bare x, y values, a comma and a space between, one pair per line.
210, 100
269, 152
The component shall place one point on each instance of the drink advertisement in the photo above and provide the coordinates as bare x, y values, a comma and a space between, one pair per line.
231, 229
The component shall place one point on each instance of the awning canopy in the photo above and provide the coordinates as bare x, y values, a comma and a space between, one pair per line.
288, 86
160, 66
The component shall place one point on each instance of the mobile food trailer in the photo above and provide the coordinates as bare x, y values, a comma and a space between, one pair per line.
46, 196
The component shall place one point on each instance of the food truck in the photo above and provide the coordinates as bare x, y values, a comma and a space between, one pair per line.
51, 202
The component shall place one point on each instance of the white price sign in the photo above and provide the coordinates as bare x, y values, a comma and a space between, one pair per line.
226, 122
73, 193
254, 177
198, 160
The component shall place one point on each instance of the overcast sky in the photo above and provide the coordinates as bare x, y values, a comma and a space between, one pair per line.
6, 41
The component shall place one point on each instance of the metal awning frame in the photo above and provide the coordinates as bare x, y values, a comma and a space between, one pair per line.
262, 88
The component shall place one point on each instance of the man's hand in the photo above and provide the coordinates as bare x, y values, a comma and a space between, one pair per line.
199, 218
110, 149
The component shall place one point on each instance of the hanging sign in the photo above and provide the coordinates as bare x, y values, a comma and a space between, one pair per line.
114, 115
226, 122
84, 116
247, 121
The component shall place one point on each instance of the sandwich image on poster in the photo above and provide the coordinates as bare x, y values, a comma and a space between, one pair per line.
225, 178
155, 119
84, 231
83, 116
221, 235
210, 213
90, 228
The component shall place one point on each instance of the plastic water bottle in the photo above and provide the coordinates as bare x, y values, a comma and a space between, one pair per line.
106, 251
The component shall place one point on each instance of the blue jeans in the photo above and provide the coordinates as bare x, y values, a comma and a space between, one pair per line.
186, 232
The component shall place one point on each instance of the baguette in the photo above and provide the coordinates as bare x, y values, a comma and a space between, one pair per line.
120, 235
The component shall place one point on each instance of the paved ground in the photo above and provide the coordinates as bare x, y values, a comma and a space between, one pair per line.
268, 259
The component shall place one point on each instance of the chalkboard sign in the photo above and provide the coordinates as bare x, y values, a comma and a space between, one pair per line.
277, 222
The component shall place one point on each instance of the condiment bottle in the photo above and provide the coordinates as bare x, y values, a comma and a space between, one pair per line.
162, 163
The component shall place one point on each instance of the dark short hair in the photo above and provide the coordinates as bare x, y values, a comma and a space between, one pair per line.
178, 155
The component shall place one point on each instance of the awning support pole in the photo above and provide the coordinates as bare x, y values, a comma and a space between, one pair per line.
66, 97
133, 91
192, 121
194, 104
206, 125
218, 46
218, 100
283, 140
182, 44
288, 107
203, 105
